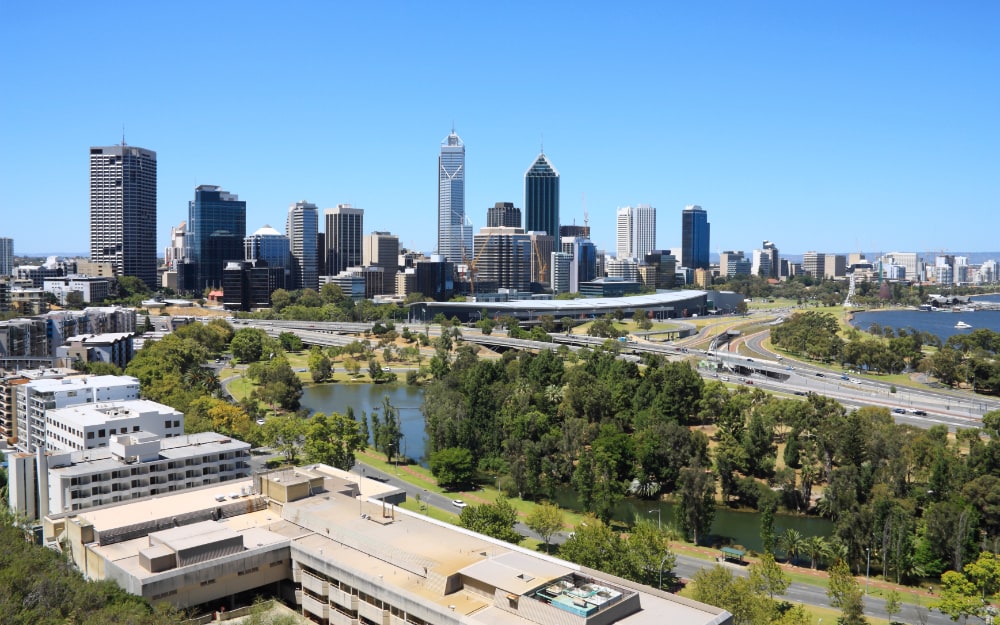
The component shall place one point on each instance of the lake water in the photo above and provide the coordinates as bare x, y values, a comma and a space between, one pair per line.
941, 324
739, 528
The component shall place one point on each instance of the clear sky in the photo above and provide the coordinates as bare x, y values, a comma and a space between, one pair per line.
827, 126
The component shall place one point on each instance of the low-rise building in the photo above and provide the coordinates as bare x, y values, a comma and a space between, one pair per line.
91, 289
336, 546
134, 466
114, 348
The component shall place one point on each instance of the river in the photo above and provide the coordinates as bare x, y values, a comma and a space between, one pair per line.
738, 528
941, 324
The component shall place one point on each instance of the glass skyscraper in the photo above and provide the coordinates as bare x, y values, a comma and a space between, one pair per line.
344, 227
123, 210
541, 198
694, 237
454, 230
216, 227
302, 228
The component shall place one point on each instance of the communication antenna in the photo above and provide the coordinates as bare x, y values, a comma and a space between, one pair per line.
123, 135
586, 218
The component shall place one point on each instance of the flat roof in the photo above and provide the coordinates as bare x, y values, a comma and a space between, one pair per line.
663, 298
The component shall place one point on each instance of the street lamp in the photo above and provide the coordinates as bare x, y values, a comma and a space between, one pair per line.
657, 511
868, 568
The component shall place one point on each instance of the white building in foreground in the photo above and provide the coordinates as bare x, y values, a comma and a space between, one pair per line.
133, 466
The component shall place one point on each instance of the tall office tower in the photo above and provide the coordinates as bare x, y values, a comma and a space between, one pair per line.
561, 274
301, 228
123, 210
695, 237
503, 260
760, 265
454, 229
503, 215
636, 232
216, 227
541, 198
6, 256
771, 250
344, 228
585, 262
174, 253
381, 249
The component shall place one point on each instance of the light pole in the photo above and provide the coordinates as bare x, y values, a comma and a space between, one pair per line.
868, 568
657, 511
662, 560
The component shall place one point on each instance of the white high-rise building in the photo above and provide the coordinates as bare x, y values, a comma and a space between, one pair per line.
123, 210
302, 230
454, 229
636, 231
761, 264
344, 228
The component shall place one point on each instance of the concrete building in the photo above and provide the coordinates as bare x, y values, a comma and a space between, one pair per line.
381, 249
344, 228
301, 228
622, 269
53, 267
733, 264
81, 427
636, 231
91, 289
337, 546
123, 210
664, 266
116, 348
561, 271
503, 260
133, 466
37, 397
760, 265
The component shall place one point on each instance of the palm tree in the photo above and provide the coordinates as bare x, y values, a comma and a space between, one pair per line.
792, 543
817, 547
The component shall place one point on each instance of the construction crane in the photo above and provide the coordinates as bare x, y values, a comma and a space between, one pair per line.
475, 261
542, 265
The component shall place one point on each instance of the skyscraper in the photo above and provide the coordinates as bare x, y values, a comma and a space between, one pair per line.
123, 210
301, 229
695, 236
344, 226
270, 246
216, 227
636, 231
771, 250
6, 256
454, 230
541, 198
503, 215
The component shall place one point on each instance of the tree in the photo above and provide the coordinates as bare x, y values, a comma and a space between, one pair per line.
320, 365
332, 439
493, 519
285, 435
452, 466
845, 593
768, 578
290, 342
791, 542
388, 431
545, 520
248, 344
893, 603
959, 597
696, 509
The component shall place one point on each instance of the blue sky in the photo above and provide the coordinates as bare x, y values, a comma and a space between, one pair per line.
828, 126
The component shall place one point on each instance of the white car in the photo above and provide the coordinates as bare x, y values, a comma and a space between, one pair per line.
458, 503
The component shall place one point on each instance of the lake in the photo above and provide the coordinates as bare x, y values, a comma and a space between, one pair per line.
741, 528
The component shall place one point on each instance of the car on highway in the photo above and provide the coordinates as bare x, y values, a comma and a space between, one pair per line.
458, 503
845, 377
920, 413
820, 375
899, 410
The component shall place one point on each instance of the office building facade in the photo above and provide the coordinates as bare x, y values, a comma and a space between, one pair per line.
636, 231
503, 260
216, 229
695, 237
503, 215
454, 229
123, 210
541, 198
344, 228
301, 228
6, 256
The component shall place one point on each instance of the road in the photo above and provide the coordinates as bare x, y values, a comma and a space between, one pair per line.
685, 567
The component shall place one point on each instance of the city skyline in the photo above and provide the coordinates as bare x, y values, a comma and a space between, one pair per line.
877, 117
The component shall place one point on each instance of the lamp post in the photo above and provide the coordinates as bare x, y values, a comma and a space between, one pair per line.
662, 560
657, 511
868, 568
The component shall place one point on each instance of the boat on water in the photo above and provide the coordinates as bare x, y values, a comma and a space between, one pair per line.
961, 325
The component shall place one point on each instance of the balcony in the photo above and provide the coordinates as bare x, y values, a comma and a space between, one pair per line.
314, 584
